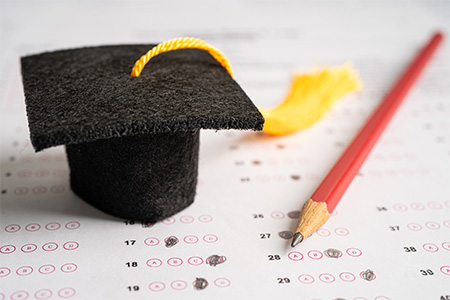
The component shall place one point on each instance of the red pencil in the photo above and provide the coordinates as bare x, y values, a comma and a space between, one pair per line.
318, 208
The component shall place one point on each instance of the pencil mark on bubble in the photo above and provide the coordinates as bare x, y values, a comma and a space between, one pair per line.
333, 253
200, 283
294, 214
215, 260
147, 224
287, 235
171, 241
368, 275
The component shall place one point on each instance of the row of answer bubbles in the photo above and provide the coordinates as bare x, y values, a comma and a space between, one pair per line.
44, 269
428, 225
198, 284
189, 239
29, 248
212, 260
330, 253
417, 206
64, 293
33, 227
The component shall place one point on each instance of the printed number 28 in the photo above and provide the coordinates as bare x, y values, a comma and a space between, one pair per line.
274, 257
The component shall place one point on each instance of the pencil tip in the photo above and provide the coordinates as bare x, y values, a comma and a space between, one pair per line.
297, 239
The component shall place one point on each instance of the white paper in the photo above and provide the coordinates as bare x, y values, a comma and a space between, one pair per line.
393, 220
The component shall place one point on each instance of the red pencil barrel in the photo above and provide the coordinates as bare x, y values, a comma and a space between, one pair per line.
341, 175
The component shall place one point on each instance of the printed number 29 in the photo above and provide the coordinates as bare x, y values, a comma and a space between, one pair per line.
283, 280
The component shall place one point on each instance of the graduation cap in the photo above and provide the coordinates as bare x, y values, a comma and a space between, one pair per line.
132, 142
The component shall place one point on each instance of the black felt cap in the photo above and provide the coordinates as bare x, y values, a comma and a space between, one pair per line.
132, 142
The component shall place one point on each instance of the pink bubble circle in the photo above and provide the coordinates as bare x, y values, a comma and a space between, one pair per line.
263, 178
222, 282
430, 247
417, 206
73, 225
66, 292
157, 286
414, 226
24, 271
52, 226
168, 221
295, 256
347, 277
57, 189
315, 254
28, 248
7, 249
205, 218
341, 231
432, 225
210, 238
50, 246
24, 174
71, 245
445, 270
190, 239
326, 277
434, 205
43, 294
21, 191
323, 232
277, 215
446, 246
42, 173
154, 263
179, 285
305, 278
186, 219
355, 252
174, 261
20, 295
12, 228
400, 207
69, 268
4, 272
151, 241
32, 227
47, 269
59, 172
39, 190
447, 223
195, 260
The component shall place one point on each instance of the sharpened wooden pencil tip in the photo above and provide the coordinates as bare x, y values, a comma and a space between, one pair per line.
297, 239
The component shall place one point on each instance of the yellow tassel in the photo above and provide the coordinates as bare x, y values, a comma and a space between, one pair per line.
310, 96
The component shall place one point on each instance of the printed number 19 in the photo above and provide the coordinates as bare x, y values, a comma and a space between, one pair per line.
133, 288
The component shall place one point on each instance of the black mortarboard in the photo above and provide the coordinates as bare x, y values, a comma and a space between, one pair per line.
132, 142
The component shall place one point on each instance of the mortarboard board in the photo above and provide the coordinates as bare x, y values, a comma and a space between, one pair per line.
132, 142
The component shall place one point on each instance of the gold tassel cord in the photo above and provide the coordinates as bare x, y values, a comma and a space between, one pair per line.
177, 44
310, 96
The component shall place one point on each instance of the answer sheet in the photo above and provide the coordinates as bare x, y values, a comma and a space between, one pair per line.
389, 237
